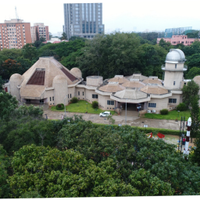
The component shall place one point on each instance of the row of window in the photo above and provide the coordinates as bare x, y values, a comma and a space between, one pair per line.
153, 105
79, 93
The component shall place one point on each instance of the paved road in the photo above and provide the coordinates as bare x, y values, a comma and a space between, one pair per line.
131, 119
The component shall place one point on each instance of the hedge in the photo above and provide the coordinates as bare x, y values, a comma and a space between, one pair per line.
147, 130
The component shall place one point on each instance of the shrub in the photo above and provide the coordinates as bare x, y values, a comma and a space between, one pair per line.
74, 100
181, 107
95, 104
60, 106
164, 112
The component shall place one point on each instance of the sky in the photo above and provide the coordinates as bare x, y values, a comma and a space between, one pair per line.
123, 15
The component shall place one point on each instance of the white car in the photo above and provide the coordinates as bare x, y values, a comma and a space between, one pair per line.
104, 114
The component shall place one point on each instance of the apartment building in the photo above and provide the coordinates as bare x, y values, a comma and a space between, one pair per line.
178, 39
39, 30
83, 20
14, 33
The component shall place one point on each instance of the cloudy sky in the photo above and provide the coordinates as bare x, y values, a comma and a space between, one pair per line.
123, 15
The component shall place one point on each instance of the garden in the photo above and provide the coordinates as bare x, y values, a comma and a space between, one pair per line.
80, 106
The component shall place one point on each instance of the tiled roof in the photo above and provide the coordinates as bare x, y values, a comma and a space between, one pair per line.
68, 74
133, 84
118, 79
152, 81
154, 89
111, 87
37, 78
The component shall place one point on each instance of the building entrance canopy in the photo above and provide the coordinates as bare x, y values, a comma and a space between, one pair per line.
130, 96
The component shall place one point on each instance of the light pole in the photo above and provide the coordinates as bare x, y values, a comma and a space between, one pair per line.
126, 112
87, 107
65, 105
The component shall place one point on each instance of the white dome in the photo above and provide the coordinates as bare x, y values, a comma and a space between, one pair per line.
175, 56
77, 72
60, 79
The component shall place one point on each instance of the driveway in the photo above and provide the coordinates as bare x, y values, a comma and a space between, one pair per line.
131, 119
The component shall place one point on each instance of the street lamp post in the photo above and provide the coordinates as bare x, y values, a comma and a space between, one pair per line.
126, 112
65, 105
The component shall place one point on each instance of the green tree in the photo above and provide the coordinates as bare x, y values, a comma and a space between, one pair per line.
108, 55
4, 164
30, 52
64, 36
1, 84
195, 116
8, 104
166, 45
194, 71
189, 92
54, 173
151, 57
9, 67
193, 60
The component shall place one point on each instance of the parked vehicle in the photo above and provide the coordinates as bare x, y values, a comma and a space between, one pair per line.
104, 114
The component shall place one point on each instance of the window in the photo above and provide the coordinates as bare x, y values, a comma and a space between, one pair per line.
152, 105
70, 95
109, 102
172, 100
83, 93
95, 96
78, 93
50, 98
175, 66
174, 83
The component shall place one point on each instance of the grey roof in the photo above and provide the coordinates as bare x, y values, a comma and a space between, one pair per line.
175, 56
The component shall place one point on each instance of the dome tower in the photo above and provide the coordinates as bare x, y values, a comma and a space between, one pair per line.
174, 68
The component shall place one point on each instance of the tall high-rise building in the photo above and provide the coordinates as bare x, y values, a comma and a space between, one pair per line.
39, 30
14, 33
83, 19
176, 31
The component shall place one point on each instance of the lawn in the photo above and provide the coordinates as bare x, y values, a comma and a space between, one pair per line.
81, 107
172, 115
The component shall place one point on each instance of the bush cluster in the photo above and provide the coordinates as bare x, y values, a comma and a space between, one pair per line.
74, 100
181, 107
60, 106
164, 112
95, 104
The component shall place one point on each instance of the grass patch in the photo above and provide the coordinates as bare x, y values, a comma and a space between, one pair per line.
81, 107
172, 115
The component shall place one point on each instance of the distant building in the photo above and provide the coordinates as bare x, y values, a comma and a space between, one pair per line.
83, 19
14, 33
178, 39
176, 31
39, 30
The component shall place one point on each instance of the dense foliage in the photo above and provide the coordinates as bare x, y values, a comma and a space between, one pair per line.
74, 100
181, 107
164, 112
75, 158
95, 104
60, 106
105, 55
189, 92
